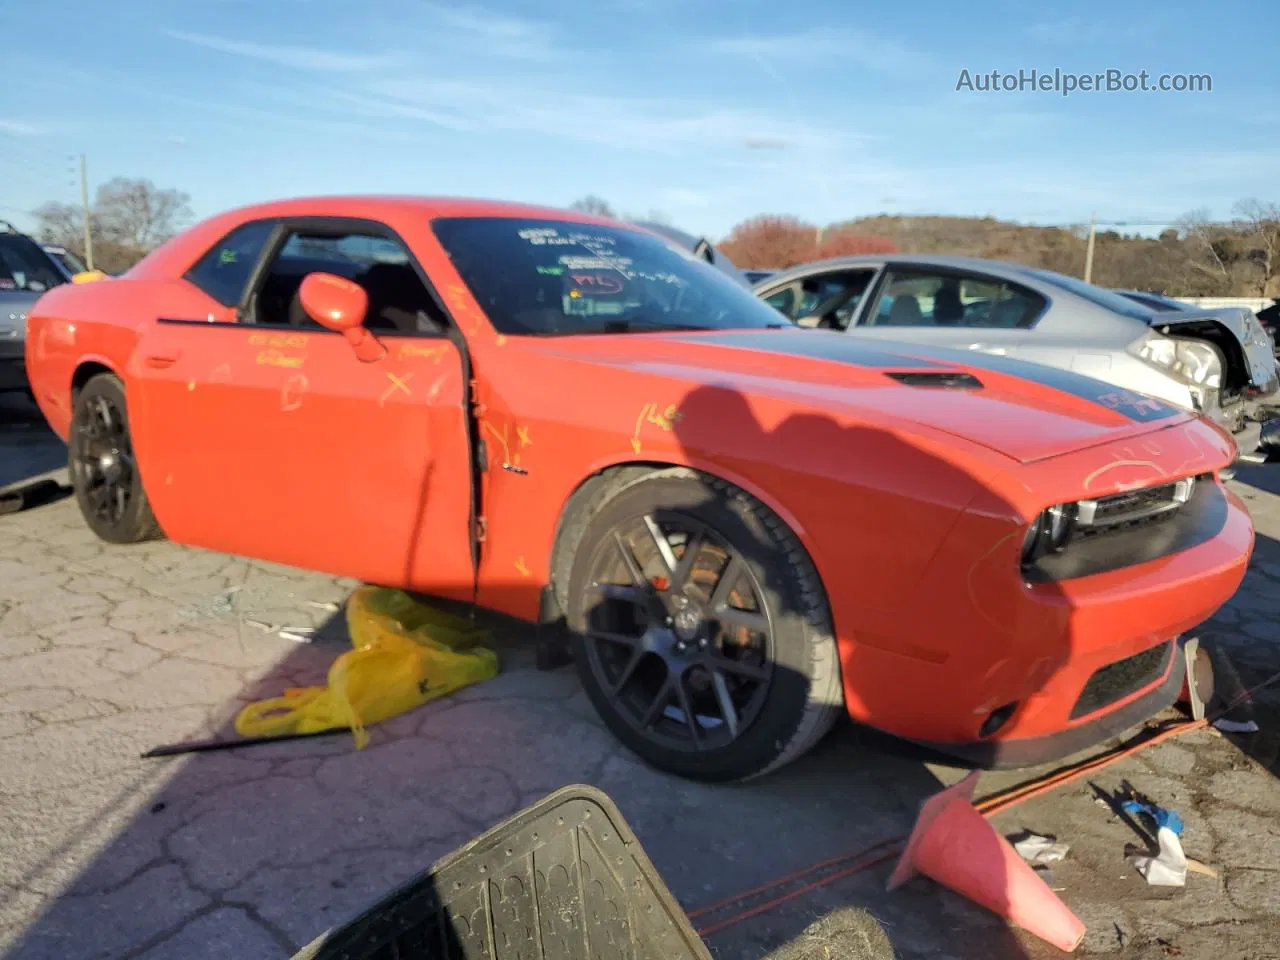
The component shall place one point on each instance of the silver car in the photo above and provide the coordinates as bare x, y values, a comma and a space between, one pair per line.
26, 272
1217, 362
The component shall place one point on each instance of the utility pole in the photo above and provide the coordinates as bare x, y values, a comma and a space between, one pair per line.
84, 202
1088, 253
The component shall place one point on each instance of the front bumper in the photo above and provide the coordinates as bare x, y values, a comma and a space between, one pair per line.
997, 754
1066, 653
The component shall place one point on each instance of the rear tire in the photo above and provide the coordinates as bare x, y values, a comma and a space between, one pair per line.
715, 666
104, 472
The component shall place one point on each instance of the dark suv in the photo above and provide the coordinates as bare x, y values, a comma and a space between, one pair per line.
26, 272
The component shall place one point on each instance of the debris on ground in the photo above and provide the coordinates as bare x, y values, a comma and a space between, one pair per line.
404, 653
1195, 866
1169, 867
1235, 726
1037, 849
297, 634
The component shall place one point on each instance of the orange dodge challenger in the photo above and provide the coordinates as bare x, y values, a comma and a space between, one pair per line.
745, 526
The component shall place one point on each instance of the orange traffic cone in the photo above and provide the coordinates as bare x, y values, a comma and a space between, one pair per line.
953, 844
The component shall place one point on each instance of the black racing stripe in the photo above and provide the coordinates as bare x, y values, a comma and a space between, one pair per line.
850, 348
820, 345
1138, 407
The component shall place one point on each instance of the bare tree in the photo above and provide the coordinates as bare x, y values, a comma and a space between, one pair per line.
1210, 250
138, 214
129, 219
593, 205
1262, 222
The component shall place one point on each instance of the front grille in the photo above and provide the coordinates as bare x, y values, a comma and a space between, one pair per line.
1133, 508
1117, 680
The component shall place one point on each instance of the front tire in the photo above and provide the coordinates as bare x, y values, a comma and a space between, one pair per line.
104, 472
702, 633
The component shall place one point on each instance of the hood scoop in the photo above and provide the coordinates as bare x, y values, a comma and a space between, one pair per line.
948, 379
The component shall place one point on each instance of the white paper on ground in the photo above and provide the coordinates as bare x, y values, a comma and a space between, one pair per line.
1169, 869
1037, 849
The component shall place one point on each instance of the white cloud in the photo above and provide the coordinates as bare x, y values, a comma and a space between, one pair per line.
639, 124
1076, 30
18, 128
300, 58
498, 34
837, 45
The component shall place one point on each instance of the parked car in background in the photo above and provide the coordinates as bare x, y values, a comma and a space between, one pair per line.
65, 259
1220, 363
700, 247
747, 528
27, 272
1269, 317
1156, 301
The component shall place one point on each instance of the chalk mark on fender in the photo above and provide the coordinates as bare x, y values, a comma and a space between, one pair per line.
397, 384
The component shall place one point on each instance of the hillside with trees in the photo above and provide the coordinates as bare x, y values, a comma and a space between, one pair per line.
1195, 257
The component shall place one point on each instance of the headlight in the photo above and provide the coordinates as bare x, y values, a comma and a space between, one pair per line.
1191, 360
1049, 532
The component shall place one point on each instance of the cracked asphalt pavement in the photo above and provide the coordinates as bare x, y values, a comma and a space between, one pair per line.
106, 652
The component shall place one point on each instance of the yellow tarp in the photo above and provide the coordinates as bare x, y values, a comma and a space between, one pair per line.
403, 654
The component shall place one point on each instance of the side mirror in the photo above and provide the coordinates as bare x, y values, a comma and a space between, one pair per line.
338, 304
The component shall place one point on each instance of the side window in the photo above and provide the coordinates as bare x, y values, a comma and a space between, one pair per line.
399, 301
223, 272
913, 298
839, 293
784, 300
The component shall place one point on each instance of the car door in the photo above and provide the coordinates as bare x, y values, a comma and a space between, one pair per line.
949, 307
266, 436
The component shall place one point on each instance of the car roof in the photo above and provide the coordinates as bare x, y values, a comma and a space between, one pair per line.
179, 252
999, 268
431, 206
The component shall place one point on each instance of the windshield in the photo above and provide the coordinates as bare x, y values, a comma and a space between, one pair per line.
68, 260
1102, 297
555, 277
25, 267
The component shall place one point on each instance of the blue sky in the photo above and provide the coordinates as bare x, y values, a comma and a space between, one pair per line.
706, 111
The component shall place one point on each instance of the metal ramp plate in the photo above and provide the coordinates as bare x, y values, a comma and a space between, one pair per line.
563, 879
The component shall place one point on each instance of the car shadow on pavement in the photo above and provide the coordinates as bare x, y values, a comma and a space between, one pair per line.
1244, 638
254, 852
28, 448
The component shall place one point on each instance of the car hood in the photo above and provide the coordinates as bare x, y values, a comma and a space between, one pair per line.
1241, 323
1025, 411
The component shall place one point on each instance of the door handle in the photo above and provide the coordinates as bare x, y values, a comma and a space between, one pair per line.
161, 360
